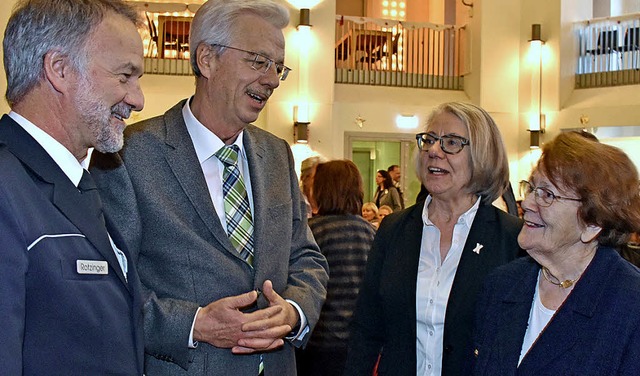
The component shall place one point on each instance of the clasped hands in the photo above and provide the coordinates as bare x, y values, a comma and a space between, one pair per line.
223, 324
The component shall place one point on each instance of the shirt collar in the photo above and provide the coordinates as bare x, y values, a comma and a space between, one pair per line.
204, 141
60, 154
466, 218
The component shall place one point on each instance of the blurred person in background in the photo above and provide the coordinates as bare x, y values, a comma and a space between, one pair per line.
631, 250
428, 262
384, 211
370, 213
396, 174
386, 194
344, 238
307, 171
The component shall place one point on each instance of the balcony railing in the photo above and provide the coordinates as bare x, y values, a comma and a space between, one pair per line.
609, 52
367, 51
166, 44
372, 51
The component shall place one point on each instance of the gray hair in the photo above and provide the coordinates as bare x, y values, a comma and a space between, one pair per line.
214, 22
39, 26
488, 157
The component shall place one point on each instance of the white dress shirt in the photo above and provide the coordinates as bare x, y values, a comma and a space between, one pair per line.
435, 279
206, 144
68, 164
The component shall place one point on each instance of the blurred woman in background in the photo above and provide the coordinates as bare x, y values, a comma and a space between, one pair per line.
370, 213
387, 193
344, 238
384, 211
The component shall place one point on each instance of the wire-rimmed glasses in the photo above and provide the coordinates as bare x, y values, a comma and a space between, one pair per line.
449, 143
544, 197
262, 63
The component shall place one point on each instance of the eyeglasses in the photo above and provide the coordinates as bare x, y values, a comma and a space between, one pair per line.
543, 196
262, 63
449, 143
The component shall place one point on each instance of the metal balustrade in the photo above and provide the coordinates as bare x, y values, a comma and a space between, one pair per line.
609, 52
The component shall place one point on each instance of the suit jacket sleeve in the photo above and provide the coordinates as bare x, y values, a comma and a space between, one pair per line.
167, 322
308, 269
13, 268
396, 203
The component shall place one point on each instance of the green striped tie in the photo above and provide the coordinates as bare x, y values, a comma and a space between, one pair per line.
236, 204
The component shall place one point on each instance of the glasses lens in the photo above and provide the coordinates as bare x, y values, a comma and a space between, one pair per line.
525, 188
545, 195
451, 144
283, 71
261, 64
425, 141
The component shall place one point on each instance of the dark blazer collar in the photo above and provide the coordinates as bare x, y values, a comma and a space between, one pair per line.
567, 325
59, 189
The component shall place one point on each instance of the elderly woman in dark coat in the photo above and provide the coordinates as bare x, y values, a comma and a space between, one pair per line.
573, 306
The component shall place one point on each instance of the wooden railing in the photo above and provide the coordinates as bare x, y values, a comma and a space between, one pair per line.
372, 51
609, 51
367, 51
166, 44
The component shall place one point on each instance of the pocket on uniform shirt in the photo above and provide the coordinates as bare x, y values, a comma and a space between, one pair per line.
78, 258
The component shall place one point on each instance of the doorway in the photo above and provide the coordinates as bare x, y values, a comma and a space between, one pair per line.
377, 151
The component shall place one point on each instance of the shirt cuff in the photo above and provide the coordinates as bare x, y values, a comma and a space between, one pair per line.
304, 327
192, 344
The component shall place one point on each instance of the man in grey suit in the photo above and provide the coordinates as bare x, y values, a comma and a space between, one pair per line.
168, 188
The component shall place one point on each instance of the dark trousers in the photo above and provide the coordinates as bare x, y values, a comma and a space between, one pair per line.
321, 362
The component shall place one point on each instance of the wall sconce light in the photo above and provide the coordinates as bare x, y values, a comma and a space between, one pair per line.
301, 124
305, 19
300, 132
537, 122
534, 135
536, 33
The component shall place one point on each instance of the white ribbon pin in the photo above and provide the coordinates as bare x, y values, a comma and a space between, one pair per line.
478, 248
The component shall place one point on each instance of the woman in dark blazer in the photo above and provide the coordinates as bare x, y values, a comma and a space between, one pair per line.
573, 306
428, 262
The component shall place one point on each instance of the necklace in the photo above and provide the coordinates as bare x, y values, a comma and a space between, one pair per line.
564, 284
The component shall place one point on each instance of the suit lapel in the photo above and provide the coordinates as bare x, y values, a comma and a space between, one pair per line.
482, 233
255, 158
57, 187
570, 321
181, 157
514, 317
406, 242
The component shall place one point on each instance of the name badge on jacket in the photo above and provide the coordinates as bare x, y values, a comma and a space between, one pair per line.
92, 267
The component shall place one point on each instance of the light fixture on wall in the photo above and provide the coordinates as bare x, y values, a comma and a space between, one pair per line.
301, 124
301, 111
305, 19
537, 122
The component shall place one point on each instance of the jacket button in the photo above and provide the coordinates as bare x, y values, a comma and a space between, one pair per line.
448, 349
